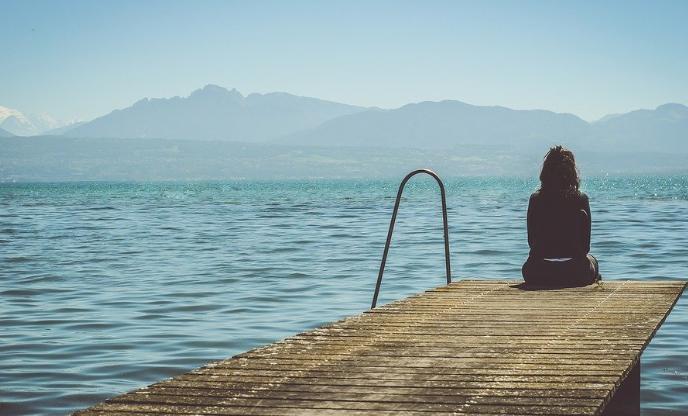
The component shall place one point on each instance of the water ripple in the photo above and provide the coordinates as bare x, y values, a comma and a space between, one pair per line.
110, 287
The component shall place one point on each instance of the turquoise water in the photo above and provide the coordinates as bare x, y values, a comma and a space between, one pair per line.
108, 287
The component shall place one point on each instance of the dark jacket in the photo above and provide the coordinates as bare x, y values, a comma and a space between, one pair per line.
558, 226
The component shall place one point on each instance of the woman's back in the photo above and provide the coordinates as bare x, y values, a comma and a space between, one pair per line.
557, 227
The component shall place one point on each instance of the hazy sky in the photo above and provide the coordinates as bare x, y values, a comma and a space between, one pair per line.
81, 59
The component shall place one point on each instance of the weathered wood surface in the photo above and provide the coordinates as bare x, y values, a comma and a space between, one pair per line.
473, 347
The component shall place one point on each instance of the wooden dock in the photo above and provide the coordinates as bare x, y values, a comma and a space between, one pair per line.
474, 347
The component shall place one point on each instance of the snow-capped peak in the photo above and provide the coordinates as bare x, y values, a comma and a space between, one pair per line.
22, 124
6, 112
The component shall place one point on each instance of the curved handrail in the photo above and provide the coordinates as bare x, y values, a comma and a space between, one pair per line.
394, 218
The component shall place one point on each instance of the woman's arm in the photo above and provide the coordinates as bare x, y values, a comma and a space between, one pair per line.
530, 220
587, 226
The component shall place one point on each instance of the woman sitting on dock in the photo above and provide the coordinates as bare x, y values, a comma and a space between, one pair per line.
559, 225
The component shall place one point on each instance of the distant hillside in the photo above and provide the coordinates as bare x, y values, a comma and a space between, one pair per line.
69, 159
664, 128
5, 133
446, 124
62, 130
215, 113
449, 124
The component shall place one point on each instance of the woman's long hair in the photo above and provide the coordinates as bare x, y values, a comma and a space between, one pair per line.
559, 175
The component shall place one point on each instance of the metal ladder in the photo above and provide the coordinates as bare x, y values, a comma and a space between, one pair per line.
394, 218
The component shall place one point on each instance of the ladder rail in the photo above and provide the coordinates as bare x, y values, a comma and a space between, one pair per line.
447, 262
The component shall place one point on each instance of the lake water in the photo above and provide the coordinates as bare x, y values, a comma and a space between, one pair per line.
106, 287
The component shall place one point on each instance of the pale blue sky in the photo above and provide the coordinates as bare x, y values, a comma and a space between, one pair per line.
81, 59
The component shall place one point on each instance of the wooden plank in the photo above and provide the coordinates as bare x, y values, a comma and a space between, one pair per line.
529, 380
474, 347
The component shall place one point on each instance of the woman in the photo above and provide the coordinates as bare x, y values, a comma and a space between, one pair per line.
559, 227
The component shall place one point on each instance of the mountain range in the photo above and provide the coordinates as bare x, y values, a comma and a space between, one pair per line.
445, 124
20, 124
217, 134
665, 128
214, 113
448, 124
